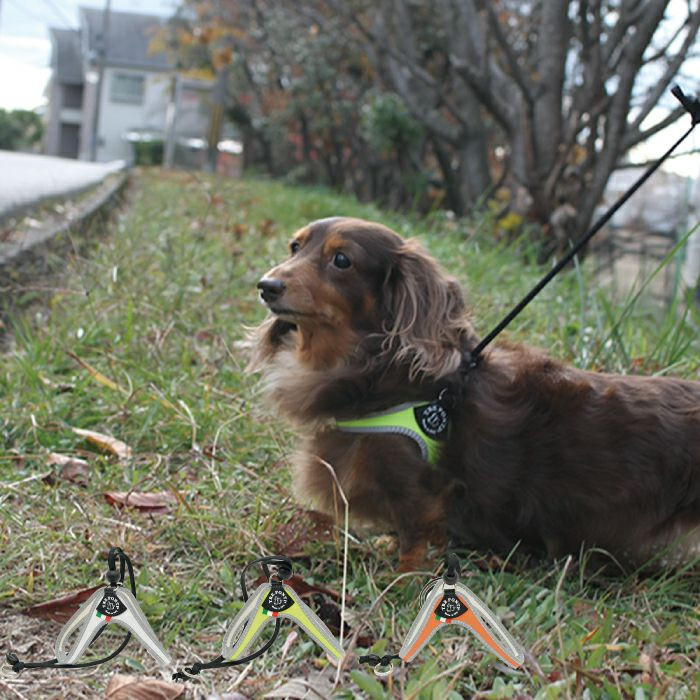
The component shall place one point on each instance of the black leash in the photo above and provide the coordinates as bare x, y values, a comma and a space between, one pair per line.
113, 577
471, 359
284, 571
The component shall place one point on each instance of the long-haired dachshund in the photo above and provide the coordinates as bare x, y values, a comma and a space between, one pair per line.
366, 331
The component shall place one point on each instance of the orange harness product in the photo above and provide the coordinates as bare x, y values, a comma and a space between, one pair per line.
455, 604
448, 602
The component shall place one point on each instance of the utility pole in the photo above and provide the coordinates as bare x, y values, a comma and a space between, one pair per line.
101, 58
171, 120
216, 119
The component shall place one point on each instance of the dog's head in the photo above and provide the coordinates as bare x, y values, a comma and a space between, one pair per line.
352, 287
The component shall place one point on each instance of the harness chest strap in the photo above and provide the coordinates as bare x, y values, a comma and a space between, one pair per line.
425, 423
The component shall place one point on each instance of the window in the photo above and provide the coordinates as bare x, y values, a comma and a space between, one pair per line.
126, 87
72, 96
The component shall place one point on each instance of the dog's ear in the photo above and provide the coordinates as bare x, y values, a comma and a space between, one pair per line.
271, 336
426, 325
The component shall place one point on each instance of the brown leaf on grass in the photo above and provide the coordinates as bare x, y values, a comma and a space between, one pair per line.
316, 686
160, 502
72, 468
204, 335
61, 609
304, 527
105, 442
122, 687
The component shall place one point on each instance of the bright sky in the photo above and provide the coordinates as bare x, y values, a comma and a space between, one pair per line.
25, 54
25, 47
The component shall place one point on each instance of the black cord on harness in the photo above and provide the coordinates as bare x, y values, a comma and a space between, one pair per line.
470, 359
113, 578
283, 572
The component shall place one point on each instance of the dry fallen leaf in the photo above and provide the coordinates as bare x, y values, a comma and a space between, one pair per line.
313, 686
61, 609
122, 687
105, 442
160, 502
303, 528
72, 468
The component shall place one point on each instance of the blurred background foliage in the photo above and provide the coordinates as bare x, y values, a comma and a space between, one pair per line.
521, 107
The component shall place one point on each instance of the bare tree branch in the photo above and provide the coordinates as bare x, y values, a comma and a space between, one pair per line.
516, 70
674, 64
637, 136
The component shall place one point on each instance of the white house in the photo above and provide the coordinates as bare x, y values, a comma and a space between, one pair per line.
137, 87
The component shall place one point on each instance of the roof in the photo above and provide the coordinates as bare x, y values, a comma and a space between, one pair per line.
129, 37
65, 57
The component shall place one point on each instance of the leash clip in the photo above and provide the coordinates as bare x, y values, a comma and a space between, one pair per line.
690, 104
10, 666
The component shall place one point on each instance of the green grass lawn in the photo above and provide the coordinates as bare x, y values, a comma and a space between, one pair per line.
138, 334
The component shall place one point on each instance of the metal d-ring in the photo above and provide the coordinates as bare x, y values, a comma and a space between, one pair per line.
383, 674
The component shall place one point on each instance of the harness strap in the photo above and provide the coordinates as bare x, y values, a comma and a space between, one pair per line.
425, 423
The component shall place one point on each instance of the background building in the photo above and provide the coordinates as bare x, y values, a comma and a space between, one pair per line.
138, 86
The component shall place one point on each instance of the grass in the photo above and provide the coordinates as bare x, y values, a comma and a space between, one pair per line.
155, 305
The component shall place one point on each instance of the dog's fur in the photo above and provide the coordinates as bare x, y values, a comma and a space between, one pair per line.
540, 453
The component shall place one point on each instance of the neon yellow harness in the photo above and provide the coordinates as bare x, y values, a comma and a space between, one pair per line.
426, 423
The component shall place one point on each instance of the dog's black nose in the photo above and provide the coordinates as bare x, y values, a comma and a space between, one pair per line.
271, 289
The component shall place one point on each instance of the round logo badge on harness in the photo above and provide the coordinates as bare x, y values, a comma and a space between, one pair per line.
433, 420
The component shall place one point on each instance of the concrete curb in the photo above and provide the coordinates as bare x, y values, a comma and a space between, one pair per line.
11, 252
28, 180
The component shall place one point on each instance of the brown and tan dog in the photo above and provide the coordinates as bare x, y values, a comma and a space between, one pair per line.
538, 453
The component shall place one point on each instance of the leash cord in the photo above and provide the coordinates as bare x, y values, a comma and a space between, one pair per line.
692, 106
112, 577
219, 662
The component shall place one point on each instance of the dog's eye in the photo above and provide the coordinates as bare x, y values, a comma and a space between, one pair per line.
341, 260
294, 247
